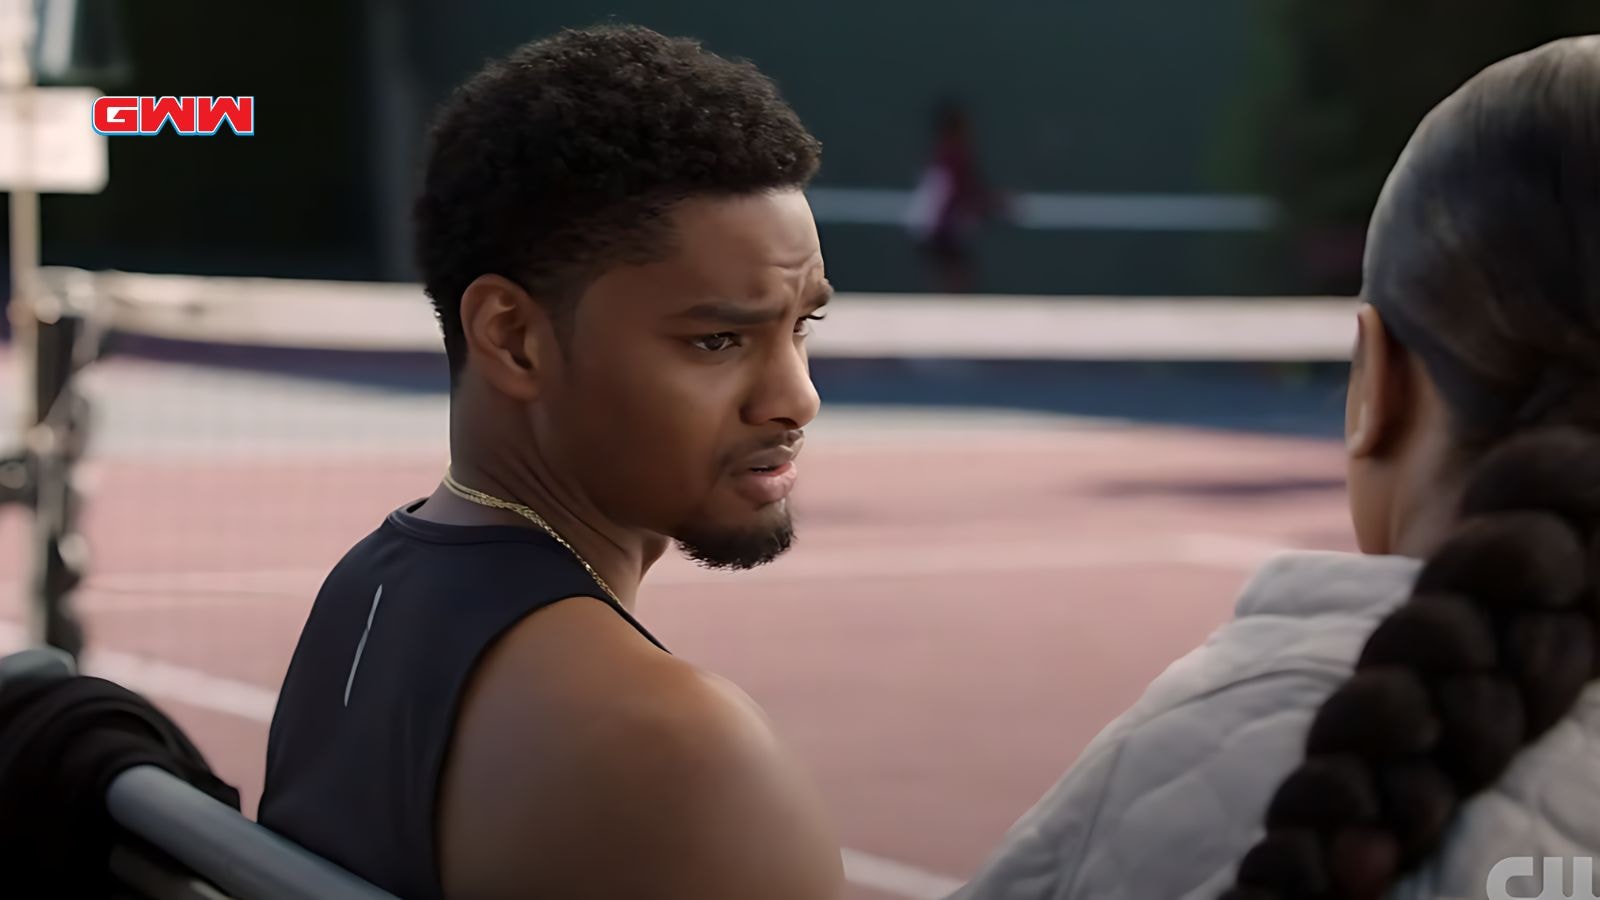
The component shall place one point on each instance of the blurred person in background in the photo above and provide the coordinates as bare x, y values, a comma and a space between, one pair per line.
1398, 722
951, 200
615, 236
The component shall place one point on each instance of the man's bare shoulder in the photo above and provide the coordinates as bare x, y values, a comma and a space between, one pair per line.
586, 762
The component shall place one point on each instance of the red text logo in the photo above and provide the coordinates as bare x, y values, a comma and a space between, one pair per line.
191, 116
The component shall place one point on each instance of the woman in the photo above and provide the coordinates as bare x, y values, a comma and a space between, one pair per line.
951, 201
1263, 765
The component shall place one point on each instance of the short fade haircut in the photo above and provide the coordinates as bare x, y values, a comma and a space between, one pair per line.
560, 161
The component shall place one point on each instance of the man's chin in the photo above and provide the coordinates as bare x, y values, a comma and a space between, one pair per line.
718, 546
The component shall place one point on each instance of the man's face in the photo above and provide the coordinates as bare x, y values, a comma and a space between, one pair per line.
681, 397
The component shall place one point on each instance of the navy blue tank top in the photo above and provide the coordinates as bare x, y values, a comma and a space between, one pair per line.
357, 744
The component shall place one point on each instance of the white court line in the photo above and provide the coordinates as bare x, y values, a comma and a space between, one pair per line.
147, 675
1227, 551
254, 703
1063, 211
895, 878
152, 591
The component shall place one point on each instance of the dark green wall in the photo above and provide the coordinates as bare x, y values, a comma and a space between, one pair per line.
1071, 95
1135, 96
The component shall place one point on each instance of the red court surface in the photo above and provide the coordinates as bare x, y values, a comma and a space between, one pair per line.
969, 602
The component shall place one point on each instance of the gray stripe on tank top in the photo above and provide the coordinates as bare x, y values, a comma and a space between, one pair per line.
362, 645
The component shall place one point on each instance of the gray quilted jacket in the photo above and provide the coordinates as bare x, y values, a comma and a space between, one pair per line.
1162, 804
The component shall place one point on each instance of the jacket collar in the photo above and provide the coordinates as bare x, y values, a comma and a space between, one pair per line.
1304, 583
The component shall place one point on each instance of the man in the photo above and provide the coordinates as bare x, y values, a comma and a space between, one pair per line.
614, 234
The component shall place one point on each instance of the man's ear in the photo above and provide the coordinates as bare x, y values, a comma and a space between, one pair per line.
1377, 407
505, 334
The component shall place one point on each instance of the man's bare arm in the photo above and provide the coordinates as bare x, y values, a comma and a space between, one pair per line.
633, 776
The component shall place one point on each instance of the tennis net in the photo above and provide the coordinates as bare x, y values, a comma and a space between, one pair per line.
243, 429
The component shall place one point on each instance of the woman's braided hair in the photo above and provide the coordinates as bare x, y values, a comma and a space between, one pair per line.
1484, 261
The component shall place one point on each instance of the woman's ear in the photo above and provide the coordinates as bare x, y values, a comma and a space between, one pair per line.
1373, 407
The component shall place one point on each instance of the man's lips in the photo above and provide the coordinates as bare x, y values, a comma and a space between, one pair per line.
769, 475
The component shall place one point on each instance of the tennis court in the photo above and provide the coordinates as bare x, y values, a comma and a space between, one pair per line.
994, 559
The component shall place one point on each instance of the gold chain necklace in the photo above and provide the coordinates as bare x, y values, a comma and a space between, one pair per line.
489, 500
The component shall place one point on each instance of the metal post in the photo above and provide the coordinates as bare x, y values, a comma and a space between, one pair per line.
56, 444
392, 88
17, 30
48, 336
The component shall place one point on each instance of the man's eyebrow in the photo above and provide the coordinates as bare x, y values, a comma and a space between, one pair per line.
727, 312
732, 312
